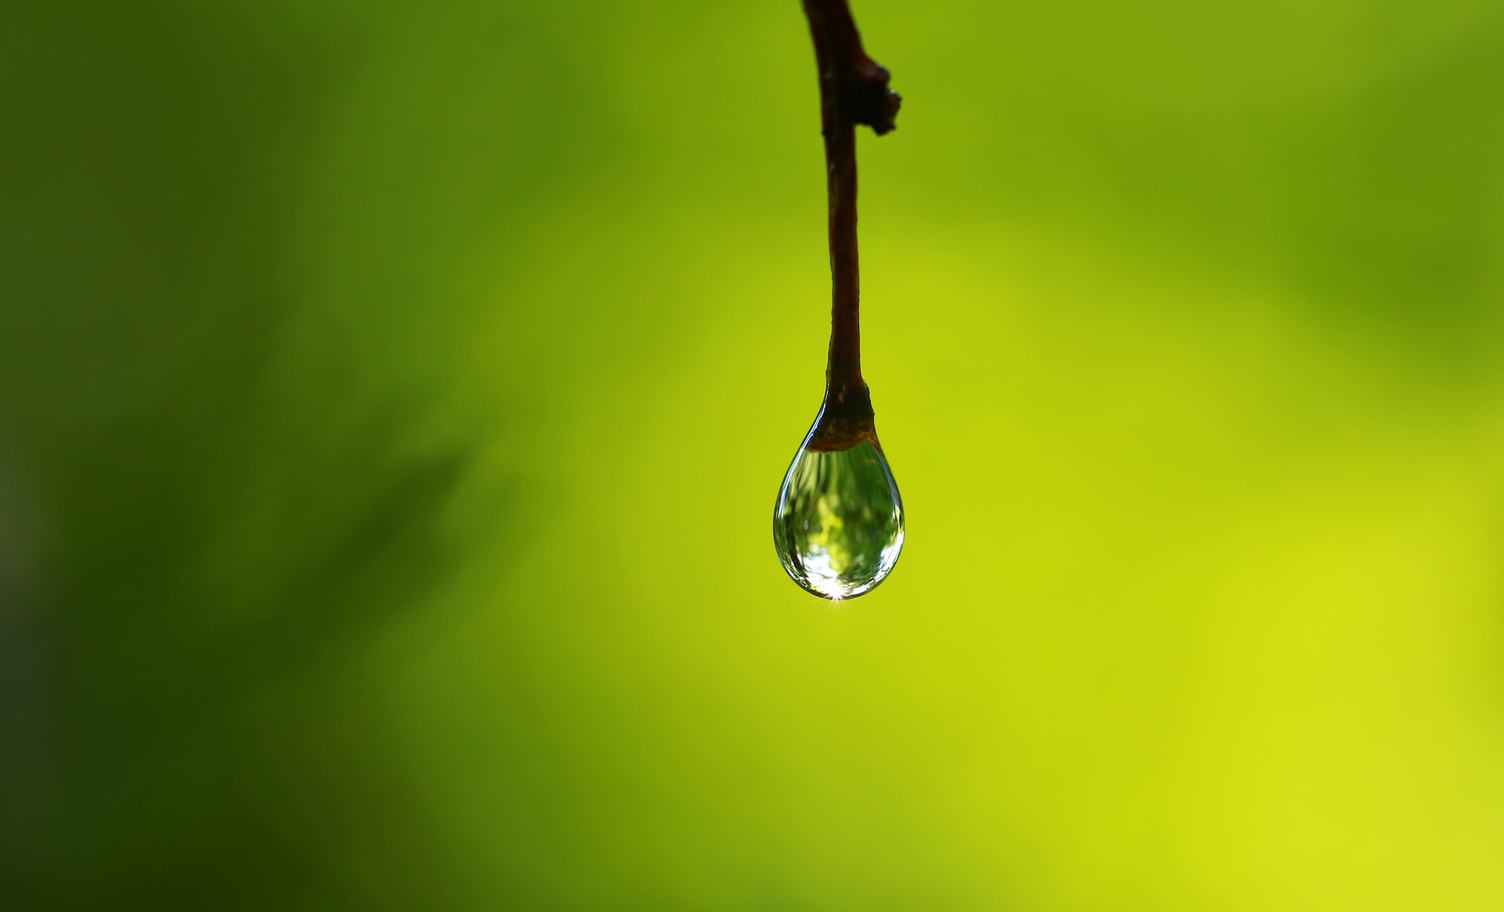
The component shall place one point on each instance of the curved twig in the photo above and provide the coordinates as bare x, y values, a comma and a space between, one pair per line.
853, 90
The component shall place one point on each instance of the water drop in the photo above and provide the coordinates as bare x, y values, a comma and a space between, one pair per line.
838, 524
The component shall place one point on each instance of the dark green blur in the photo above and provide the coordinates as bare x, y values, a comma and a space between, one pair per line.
393, 396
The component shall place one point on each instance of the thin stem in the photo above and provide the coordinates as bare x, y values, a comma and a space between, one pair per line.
844, 368
853, 90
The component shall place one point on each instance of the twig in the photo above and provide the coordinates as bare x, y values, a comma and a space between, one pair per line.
853, 90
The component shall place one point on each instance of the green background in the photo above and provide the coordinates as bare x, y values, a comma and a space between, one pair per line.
393, 398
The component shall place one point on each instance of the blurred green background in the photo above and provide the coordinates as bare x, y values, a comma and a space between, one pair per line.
393, 398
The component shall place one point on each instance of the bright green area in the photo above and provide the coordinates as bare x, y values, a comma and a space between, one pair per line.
393, 397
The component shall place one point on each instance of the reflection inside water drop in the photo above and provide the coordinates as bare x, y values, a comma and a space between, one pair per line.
838, 524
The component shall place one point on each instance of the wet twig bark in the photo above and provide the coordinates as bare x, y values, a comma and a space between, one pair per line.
853, 90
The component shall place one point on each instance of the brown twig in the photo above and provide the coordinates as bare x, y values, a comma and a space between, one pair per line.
853, 90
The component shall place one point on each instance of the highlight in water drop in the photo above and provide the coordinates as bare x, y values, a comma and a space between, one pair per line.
838, 524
